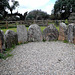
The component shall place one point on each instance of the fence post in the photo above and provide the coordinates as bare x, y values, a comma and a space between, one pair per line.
20, 22
34, 22
47, 22
6, 25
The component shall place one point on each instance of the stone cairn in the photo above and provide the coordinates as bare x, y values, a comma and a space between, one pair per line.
34, 34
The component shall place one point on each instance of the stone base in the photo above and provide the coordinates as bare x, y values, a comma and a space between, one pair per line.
62, 38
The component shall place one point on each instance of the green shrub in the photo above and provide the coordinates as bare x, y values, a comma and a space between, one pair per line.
1, 56
44, 40
65, 41
66, 22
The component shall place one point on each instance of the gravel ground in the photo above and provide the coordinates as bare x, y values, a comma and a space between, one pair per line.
40, 58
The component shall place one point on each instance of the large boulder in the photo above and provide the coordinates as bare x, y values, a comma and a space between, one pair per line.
34, 33
50, 33
62, 31
2, 44
10, 38
22, 33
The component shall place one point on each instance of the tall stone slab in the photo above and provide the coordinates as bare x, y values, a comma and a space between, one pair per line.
22, 33
10, 38
62, 31
2, 44
74, 34
3, 47
34, 33
50, 33
70, 33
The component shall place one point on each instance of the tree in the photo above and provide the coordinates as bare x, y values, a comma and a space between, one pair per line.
11, 8
37, 15
3, 5
64, 8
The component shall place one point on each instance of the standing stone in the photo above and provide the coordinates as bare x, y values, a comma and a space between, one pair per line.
70, 33
10, 38
2, 44
50, 33
3, 47
74, 34
22, 33
34, 33
62, 31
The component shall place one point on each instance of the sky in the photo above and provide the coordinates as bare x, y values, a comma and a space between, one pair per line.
29, 5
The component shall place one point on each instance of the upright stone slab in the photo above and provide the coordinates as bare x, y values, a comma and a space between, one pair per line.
34, 33
70, 33
62, 31
74, 34
22, 33
50, 33
2, 44
10, 38
3, 47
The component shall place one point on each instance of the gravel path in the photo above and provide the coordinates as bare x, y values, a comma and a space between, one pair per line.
40, 58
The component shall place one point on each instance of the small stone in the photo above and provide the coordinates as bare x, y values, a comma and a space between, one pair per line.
22, 33
34, 33
50, 33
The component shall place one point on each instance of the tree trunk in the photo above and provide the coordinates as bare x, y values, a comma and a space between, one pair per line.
11, 12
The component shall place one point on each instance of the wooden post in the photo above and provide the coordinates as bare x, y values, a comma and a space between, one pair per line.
21, 22
34, 22
47, 22
6, 25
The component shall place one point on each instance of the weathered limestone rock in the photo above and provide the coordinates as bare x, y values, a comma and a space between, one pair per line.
22, 33
34, 33
10, 38
50, 33
62, 31
74, 34
3, 47
70, 33
2, 44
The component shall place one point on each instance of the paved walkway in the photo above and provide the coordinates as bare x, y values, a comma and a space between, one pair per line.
40, 58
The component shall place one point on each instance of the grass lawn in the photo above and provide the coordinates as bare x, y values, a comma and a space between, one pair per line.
15, 29
57, 27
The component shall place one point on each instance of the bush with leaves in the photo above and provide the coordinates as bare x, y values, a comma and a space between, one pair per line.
37, 15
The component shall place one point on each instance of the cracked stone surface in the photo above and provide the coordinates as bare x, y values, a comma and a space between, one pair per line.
40, 58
